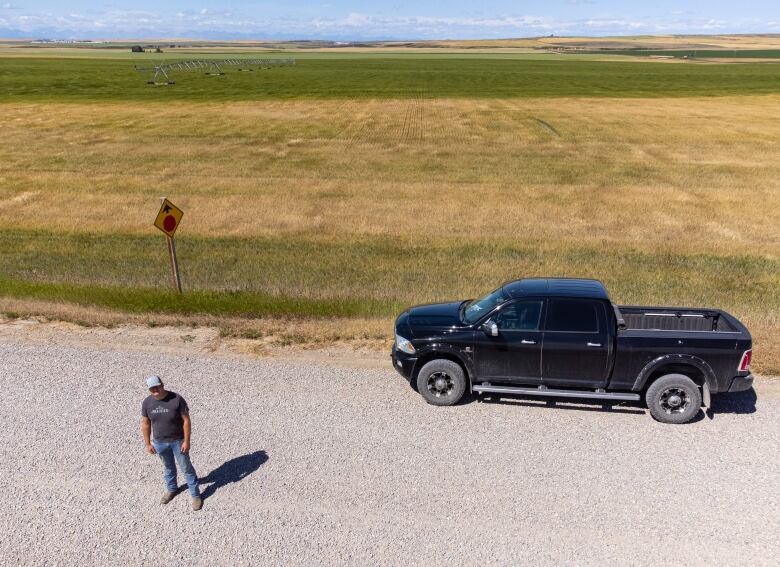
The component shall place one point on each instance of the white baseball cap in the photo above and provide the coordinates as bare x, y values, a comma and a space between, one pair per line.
153, 381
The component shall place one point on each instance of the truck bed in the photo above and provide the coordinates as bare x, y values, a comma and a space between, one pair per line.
711, 336
675, 319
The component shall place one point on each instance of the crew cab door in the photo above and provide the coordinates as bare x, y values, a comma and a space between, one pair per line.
576, 343
515, 354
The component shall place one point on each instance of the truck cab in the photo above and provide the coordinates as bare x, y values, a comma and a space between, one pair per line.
565, 338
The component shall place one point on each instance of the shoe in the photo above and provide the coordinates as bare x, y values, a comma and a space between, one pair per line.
167, 497
197, 503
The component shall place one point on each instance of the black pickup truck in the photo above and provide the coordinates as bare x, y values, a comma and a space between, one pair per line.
565, 338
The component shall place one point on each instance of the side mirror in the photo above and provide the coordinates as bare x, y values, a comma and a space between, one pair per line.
491, 328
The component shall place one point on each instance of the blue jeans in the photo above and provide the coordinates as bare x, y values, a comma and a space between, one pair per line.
170, 454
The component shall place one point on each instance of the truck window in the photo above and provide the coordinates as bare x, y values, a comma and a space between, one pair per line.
476, 309
573, 316
520, 316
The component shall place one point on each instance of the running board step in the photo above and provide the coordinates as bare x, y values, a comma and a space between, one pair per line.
556, 393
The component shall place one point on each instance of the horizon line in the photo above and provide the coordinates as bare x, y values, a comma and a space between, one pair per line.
385, 40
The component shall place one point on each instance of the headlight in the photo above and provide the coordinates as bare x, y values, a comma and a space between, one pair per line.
404, 345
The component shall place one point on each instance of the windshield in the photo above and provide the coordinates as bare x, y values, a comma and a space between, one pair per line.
478, 308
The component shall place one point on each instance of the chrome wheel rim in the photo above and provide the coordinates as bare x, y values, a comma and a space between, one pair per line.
674, 400
440, 384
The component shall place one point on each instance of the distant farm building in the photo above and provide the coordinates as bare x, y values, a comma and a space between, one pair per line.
137, 49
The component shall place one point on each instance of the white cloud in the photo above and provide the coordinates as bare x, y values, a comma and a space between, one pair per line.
355, 19
616, 23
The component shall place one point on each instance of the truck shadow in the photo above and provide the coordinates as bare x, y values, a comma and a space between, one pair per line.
736, 402
568, 404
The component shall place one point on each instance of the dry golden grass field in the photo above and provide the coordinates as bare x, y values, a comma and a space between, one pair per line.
760, 41
316, 220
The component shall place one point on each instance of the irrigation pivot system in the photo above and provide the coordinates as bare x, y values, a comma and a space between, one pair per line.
160, 74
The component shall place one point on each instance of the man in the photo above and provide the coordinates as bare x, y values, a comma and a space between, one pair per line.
166, 415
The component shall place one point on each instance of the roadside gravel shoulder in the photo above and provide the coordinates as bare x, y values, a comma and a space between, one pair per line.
310, 463
178, 340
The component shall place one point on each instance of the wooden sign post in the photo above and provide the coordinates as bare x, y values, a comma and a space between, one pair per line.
168, 219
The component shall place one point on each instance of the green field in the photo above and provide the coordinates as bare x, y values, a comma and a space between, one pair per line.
402, 76
352, 185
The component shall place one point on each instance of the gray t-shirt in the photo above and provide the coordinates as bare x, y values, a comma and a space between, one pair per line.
165, 416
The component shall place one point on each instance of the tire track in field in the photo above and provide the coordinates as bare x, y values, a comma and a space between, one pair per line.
413, 130
342, 111
407, 122
451, 124
423, 116
546, 126
358, 130
398, 120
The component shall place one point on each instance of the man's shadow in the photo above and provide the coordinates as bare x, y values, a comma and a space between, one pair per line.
233, 470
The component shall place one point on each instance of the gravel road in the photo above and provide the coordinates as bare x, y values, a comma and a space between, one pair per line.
310, 464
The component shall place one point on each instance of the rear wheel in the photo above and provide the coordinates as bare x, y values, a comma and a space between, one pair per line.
441, 382
673, 398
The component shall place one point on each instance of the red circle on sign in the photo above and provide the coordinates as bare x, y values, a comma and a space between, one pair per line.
169, 223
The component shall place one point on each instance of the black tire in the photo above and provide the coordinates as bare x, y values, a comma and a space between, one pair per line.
673, 398
441, 382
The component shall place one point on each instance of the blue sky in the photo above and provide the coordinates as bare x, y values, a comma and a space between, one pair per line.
392, 19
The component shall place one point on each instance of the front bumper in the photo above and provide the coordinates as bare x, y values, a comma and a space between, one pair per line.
741, 383
403, 363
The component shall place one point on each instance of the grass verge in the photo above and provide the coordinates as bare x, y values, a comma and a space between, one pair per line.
151, 300
260, 335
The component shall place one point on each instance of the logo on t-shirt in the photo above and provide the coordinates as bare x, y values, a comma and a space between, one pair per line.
160, 410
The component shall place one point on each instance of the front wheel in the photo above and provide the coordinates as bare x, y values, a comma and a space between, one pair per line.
673, 398
441, 382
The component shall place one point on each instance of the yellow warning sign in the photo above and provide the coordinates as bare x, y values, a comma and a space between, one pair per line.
168, 218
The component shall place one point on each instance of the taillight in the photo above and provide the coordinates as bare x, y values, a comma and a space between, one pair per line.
744, 364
